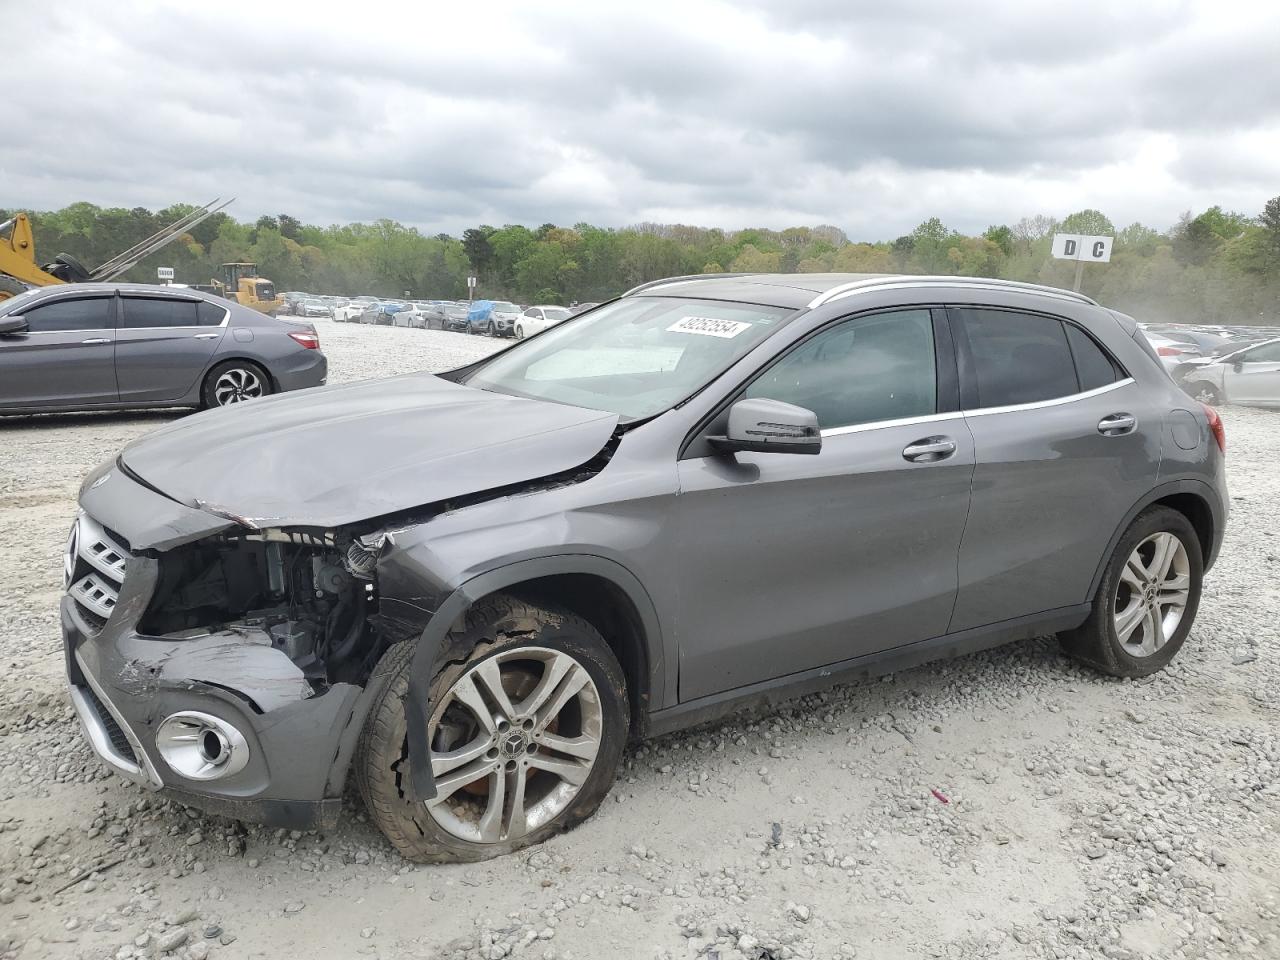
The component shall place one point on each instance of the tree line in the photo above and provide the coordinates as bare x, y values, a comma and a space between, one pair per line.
1215, 266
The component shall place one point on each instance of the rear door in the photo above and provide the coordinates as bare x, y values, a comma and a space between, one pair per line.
164, 344
1065, 443
1258, 378
66, 357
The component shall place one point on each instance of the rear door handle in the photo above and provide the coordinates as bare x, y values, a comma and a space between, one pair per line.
97, 340
1117, 425
206, 336
929, 449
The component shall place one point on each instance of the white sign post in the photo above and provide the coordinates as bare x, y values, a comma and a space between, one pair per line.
1082, 249
471, 288
164, 273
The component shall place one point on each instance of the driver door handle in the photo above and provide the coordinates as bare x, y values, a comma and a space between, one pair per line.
1117, 425
929, 450
97, 340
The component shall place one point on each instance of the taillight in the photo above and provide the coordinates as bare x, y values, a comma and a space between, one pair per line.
309, 340
1169, 351
1215, 427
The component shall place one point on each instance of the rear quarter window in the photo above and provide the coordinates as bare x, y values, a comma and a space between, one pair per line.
1094, 365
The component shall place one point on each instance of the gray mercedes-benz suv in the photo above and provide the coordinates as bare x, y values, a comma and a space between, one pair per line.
471, 589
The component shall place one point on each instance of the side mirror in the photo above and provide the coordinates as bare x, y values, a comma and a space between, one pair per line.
770, 426
12, 324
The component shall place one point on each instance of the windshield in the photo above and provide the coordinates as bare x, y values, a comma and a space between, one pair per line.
501, 306
635, 357
556, 313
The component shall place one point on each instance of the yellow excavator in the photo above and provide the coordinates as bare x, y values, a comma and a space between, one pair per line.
20, 270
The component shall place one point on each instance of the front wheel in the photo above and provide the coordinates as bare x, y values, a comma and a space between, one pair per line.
490, 330
1147, 599
234, 382
519, 332
526, 728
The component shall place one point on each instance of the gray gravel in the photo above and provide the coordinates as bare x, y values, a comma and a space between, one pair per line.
1009, 804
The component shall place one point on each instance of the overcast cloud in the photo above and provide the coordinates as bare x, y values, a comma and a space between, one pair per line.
869, 116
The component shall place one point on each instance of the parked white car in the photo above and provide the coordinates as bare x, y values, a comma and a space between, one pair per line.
350, 312
1249, 376
538, 318
1172, 353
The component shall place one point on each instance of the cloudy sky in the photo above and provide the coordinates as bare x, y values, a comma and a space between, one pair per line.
869, 115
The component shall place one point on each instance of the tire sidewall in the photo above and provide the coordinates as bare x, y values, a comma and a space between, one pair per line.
1159, 520
431, 841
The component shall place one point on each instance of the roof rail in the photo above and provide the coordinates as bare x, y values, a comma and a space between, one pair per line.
906, 280
687, 276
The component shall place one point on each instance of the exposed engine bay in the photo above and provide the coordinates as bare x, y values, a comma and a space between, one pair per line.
311, 596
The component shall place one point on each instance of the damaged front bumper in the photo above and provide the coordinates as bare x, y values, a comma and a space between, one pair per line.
125, 685
224, 690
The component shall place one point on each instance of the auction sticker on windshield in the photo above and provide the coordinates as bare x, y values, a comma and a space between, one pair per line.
709, 327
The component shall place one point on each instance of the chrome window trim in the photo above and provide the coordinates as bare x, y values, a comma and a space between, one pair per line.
976, 412
885, 424
1055, 402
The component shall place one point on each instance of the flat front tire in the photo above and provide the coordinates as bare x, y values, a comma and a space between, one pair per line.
527, 726
1147, 600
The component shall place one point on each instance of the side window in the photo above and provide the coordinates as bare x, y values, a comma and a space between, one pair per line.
146, 313
860, 371
1018, 357
1268, 353
83, 313
210, 314
1093, 366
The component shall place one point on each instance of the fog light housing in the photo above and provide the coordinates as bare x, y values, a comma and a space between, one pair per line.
200, 746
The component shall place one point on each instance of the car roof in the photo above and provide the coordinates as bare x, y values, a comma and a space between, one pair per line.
150, 289
796, 290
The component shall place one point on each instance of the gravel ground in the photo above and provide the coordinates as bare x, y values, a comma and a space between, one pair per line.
1008, 804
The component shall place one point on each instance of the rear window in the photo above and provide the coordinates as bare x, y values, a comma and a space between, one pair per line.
146, 312
1094, 366
1018, 357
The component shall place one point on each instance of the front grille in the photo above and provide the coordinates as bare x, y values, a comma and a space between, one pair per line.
96, 563
118, 740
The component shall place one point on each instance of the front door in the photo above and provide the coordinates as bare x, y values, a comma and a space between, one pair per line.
66, 358
790, 562
1066, 443
164, 344
1257, 380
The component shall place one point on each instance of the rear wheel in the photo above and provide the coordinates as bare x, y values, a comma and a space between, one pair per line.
526, 733
1147, 600
234, 382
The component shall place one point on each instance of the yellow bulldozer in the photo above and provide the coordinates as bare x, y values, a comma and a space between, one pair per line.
20, 269
240, 282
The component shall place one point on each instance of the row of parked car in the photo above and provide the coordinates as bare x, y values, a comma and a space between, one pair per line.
493, 318
1218, 364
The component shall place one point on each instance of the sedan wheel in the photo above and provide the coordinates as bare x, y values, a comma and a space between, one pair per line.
234, 382
1151, 595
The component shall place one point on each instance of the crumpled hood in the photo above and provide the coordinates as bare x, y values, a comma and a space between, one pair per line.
340, 454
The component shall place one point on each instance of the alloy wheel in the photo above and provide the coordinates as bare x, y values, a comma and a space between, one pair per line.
1152, 594
236, 385
516, 738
